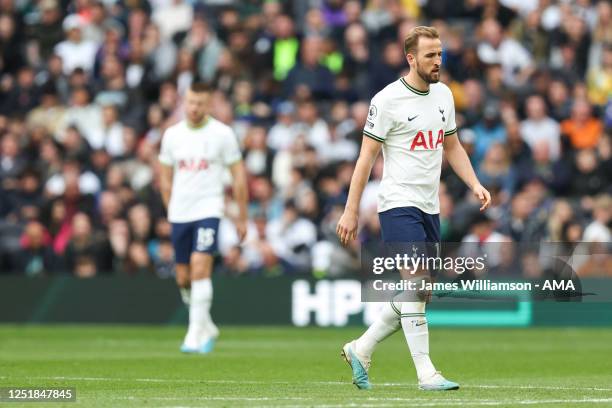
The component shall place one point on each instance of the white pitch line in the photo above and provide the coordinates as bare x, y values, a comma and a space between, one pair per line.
458, 401
215, 398
406, 403
172, 380
539, 387
394, 399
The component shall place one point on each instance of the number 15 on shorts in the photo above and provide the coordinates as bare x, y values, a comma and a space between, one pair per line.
205, 238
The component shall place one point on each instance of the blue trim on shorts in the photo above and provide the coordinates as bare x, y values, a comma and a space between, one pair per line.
195, 236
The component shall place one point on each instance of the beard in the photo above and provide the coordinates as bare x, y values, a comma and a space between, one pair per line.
196, 118
429, 77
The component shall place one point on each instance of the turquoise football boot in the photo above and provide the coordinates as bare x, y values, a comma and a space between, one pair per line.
438, 383
207, 346
188, 350
358, 366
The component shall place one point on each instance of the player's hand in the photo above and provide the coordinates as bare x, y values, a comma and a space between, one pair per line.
241, 229
347, 227
483, 195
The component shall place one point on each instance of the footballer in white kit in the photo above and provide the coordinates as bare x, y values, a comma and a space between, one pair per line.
412, 121
195, 153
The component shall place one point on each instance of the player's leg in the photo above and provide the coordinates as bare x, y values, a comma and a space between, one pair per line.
406, 226
358, 353
398, 225
183, 281
202, 330
182, 241
414, 321
386, 323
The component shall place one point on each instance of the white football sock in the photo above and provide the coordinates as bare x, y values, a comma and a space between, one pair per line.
201, 325
185, 295
387, 323
416, 332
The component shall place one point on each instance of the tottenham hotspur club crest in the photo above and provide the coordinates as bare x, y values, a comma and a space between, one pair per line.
442, 112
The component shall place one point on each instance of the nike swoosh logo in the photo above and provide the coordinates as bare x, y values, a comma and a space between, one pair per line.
420, 323
411, 118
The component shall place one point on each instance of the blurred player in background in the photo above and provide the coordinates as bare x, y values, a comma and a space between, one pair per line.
194, 155
413, 121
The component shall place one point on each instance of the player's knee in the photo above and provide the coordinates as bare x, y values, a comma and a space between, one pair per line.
183, 280
425, 295
201, 266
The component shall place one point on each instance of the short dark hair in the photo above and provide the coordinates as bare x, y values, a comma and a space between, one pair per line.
200, 87
412, 41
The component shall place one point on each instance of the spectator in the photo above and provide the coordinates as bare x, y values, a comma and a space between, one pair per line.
589, 178
138, 260
85, 181
75, 51
264, 200
539, 127
514, 224
496, 169
312, 126
163, 259
74, 146
12, 163
173, 17
572, 41
11, 55
35, 257
207, 48
110, 135
139, 220
531, 34
85, 116
357, 60
292, 237
599, 229
470, 108
309, 78
26, 201
488, 131
50, 114
496, 48
599, 79
389, 68
257, 157
559, 100
88, 253
582, 129
159, 52
24, 96
282, 133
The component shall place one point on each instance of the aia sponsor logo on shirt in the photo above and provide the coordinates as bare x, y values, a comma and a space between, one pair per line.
425, 140
192, 164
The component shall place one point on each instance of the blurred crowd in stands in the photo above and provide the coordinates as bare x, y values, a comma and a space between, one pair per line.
87, 88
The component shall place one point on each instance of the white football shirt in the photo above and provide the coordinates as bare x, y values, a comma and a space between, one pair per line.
411, 125
199, 157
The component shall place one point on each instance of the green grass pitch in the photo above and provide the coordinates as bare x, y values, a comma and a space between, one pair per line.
127, 366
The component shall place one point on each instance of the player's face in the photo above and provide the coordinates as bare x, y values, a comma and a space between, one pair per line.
196, 106
428, 59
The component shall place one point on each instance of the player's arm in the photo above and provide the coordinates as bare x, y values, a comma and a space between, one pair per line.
166, 168
347, 226
239, 188
166, 174
460, 162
